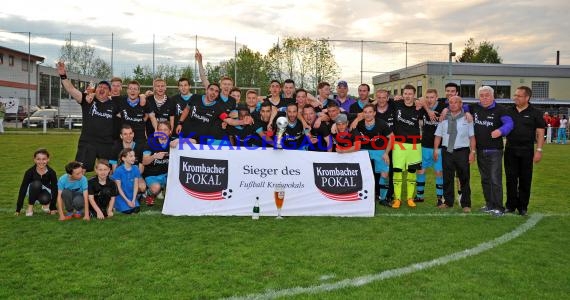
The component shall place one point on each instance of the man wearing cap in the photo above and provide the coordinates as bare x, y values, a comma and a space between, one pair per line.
343, 100
344, 140
96, 140
115, 95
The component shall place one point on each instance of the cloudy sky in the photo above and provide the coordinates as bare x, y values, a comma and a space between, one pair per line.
524, 31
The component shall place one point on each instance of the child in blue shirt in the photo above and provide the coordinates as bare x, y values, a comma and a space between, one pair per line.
127, 177
72, 193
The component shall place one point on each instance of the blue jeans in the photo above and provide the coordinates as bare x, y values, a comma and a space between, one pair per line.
72, 200
561, 135
490, 163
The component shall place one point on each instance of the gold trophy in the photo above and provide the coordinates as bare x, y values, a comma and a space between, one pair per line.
281, 123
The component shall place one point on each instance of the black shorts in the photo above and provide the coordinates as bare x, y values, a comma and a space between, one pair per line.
88, 152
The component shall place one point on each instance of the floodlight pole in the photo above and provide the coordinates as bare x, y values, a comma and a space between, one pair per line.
29, 74
235, 61
153, 53
451, 55
361, 59
406, 55
196, 77
112, 47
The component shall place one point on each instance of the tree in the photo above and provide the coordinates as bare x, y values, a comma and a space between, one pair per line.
469, 51
326, 67
142, 74
488, 54
274, 62
170, 74
215, 72
82, 60
101, 69
304, 60
251, 70
187, 72
485, 52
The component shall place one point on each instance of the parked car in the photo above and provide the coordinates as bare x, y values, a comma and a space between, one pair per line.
37, 118
76, 121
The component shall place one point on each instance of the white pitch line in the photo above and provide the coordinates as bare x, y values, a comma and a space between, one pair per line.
366, 279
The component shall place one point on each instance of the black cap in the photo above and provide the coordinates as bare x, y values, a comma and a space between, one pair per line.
242, 107
104, 82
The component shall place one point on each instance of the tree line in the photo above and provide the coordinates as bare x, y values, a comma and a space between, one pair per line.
307, 61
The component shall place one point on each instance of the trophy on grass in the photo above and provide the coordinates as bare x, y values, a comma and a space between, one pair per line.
281, 123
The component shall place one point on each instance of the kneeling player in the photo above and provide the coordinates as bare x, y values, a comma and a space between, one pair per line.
72, 193
155, 159
40, 184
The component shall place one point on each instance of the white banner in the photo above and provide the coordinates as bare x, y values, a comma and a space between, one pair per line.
11, 105
227, 182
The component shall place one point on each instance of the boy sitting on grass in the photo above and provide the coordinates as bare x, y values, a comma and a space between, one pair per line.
72, 193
